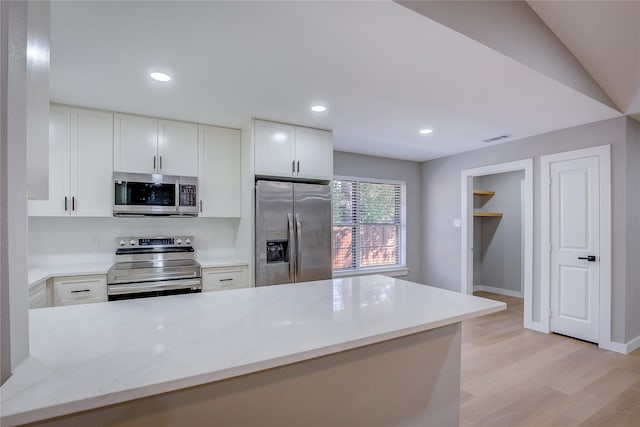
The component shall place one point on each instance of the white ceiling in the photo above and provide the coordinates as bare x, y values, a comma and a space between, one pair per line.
383, 71
605, 37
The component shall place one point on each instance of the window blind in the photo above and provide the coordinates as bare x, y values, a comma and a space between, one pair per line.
368, 223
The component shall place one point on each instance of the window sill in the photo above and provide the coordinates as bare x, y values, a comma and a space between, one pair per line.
387, 271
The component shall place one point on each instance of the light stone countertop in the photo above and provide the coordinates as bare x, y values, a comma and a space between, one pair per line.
40, 273
88, 356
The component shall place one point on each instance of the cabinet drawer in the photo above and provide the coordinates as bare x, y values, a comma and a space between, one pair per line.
79, 290
218, 279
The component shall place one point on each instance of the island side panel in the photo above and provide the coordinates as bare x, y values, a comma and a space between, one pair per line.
408, 381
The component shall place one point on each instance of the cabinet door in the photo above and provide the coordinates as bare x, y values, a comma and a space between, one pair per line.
59, 164
79, 289
219, 172
274, 149
223, 278
91, 162
135, 144
177, 148
314, 151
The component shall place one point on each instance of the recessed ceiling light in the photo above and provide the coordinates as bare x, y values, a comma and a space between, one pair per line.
318, 108
161, 77
425, 131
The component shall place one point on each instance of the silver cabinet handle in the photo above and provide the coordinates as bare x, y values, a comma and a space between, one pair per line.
65, 203
298, 247
73, 203
154, 162
293, 166
291, 244
160, 162
298, 162
80, 290
226, 280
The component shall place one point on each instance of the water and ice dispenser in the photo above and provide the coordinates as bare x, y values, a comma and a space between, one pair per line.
277, 246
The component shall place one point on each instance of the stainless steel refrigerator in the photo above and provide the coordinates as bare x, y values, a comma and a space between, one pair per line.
293, 232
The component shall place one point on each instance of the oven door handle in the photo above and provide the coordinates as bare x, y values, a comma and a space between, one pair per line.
165, 285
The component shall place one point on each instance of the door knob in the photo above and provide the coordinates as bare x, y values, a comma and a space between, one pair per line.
590, 258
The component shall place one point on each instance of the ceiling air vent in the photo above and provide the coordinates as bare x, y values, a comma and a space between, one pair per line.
497, 138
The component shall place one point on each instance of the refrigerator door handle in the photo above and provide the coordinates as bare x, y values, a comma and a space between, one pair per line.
298, 246
290, 237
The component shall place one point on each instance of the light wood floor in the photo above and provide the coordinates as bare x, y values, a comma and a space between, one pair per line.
513, 376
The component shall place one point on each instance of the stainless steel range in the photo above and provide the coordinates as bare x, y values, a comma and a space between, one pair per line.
153, 266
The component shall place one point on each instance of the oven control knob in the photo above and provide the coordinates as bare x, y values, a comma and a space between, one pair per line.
179, 241
187, 242
122, 243
132, 242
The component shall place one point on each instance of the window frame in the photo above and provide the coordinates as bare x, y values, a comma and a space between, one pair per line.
399, 269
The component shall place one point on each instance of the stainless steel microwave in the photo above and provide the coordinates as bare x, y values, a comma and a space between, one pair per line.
152, 194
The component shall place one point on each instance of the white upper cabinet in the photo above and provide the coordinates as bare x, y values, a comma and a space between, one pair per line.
80, 168
135, 144
177, 148
91, 162
219, 172
292, 151
314, 153
274, 149
59, 160
147, 145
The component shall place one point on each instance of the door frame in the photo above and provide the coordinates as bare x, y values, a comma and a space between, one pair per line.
466, 282
603, 153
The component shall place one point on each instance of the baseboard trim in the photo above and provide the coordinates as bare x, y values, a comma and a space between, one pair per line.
632, 345
499, 291
614, 346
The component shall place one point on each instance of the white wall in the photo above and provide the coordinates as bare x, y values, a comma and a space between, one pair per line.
14, 298
499, 239
633, 230
358, 165
85, 240
441, 202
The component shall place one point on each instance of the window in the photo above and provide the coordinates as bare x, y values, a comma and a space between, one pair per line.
369, 223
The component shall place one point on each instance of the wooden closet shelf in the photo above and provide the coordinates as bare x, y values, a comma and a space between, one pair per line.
487, 214
484, 192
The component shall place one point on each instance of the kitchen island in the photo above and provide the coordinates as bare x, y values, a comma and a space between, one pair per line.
368, 350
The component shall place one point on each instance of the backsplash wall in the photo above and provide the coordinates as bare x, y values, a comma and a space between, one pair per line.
86, 240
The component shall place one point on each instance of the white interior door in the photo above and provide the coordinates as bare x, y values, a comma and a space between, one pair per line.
575, 247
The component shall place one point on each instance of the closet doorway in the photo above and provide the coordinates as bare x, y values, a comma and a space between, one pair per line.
497, 232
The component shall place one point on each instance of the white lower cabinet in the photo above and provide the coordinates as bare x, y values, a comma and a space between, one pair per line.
223, 278
39, 295
79, 289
